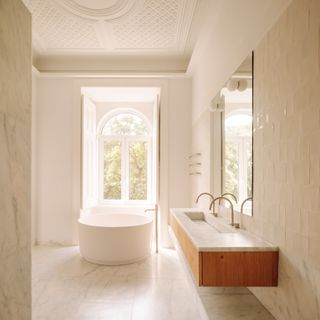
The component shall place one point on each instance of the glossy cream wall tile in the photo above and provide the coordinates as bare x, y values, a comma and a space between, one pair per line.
15, 128
286, 159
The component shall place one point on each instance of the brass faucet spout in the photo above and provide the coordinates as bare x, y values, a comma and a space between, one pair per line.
231, 195
231, 207
243, 202
207, 194
204, 193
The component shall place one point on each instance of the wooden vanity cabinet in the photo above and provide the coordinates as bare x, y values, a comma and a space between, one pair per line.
189, 250
228, 268
240, 268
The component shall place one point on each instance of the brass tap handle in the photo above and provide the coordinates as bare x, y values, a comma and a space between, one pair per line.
229, 194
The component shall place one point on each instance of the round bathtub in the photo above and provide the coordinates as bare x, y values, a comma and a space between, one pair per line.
114, 239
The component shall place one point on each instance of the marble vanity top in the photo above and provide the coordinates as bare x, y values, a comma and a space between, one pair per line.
209, 233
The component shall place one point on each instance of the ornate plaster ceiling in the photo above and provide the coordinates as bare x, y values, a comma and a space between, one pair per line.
113, 27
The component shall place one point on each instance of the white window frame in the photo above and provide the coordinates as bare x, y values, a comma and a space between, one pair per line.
242, 156
124, 140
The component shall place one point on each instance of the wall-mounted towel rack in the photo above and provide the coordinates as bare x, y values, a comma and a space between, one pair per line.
194, 173
195, 164
194, 155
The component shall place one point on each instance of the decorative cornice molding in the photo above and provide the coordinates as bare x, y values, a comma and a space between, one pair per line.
144, 31
112, 65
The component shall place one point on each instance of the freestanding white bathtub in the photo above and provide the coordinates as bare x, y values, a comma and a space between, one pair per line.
114, 239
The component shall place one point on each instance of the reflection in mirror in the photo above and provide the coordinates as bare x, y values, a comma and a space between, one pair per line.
237, 135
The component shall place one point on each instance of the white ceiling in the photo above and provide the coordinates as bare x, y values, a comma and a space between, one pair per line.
114, 28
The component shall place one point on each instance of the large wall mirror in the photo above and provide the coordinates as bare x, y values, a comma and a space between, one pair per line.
234, 104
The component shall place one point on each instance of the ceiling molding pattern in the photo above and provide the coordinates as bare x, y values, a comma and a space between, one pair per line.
116, 10
111, 26
66, 32
54, 28
155, 26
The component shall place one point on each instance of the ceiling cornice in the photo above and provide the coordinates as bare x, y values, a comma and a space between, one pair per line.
112, 64
130, 36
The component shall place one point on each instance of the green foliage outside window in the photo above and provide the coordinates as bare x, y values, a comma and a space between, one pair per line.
125, 124
112, 170
134, 176
231, 169
236, 141
138, 171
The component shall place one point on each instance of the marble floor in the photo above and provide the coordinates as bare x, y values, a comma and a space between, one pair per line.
66, 287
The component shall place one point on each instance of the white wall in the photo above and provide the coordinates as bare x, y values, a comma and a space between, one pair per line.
231, 30
179, 142
58, 151
54, 161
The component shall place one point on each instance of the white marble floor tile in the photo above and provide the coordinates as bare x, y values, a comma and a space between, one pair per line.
235, 307
115, 310
66, 287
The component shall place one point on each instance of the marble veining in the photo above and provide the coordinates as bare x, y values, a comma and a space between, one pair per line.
66, 287
15, 149
214, 235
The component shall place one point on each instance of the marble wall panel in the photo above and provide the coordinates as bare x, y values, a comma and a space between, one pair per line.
15, 149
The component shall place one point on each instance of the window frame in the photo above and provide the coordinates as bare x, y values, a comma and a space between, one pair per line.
124, 140
241, 155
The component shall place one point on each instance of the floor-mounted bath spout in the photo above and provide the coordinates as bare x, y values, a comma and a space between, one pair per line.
155, 209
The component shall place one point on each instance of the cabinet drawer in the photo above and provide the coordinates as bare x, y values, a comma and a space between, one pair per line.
240, 268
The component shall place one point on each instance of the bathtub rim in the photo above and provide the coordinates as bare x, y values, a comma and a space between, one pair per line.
150, 218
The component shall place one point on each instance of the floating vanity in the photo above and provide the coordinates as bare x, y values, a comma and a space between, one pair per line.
219, 255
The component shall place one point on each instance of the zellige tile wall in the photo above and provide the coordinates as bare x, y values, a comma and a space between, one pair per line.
287, 159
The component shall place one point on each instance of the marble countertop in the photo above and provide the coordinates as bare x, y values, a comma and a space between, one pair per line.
209, 233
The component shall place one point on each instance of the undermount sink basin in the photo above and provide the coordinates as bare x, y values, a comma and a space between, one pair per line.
208, 222
195, 215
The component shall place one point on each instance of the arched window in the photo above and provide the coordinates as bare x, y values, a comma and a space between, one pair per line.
125, 158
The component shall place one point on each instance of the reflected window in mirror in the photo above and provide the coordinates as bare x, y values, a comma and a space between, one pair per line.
237, 137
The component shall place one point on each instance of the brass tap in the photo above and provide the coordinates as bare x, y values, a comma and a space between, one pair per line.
204, 193
208, 194
236, 225
243, 202
229, 194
